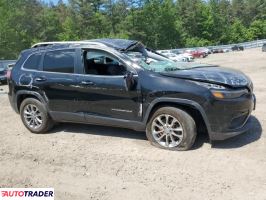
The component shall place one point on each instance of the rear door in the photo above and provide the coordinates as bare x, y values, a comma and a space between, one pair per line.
58, 82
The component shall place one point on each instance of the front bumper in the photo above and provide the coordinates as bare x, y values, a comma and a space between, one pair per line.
230, 118
223, 136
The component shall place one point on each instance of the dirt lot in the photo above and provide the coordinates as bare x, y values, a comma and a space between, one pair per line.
89, 162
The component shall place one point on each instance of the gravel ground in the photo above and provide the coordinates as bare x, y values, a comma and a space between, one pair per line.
90, 162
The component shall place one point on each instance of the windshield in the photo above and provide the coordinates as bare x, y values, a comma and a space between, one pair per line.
156, 62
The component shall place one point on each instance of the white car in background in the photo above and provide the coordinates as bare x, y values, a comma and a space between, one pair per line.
176, 58
188, 56
163, 51
178, 55
226, 50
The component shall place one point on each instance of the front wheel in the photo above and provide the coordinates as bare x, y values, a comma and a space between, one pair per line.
35, 116
171, 128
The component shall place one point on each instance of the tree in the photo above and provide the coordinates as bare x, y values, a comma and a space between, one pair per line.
238, 32
160, 24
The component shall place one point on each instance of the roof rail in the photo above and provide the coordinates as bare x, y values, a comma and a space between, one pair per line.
43, 44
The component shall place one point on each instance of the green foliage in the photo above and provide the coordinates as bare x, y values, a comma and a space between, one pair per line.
257, 29
238, 32
159, 24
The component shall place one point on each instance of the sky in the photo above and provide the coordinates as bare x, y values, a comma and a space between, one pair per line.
54, 1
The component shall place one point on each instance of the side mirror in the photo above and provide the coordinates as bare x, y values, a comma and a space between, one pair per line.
129, 80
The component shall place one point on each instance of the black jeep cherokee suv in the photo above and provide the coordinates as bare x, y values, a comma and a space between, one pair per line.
103, 82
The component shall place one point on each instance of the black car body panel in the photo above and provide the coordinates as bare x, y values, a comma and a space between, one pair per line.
105, 100
237, 48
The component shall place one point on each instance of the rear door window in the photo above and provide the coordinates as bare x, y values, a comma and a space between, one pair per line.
61, 61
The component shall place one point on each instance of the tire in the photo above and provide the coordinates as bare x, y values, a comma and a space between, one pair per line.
43, 116
184, 121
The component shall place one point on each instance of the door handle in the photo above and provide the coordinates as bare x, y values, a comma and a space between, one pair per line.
40, 79
87, 83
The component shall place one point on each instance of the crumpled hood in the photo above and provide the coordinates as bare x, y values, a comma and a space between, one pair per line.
212, 74
119, 44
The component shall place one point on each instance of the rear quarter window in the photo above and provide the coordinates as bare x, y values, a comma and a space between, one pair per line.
33, 62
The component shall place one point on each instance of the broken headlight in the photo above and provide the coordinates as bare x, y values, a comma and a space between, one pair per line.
221, 92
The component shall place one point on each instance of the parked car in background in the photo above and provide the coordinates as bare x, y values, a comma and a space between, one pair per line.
177, 51
4, 66
264, 47
237, 48
205, 50
96, 82
216, 50
176, 58
197, 54
226, 50
11, 65
164, 51
188, 56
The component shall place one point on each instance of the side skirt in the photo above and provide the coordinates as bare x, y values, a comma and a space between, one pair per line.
96, 120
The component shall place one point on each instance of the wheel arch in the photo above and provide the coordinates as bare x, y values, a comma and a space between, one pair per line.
23, 94
192, 108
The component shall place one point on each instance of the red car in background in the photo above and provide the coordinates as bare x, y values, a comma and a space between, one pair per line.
197, 53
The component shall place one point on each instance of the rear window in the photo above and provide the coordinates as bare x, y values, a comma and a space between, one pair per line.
33, 62
59, 61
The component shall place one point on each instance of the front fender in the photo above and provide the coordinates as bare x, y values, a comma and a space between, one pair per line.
178, 101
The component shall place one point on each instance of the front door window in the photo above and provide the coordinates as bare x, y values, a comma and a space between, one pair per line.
101, 63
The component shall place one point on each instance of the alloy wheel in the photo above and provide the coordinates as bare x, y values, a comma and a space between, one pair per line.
33, 116
167, 131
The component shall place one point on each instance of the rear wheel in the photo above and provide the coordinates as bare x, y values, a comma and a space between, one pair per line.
171, 128
35, 116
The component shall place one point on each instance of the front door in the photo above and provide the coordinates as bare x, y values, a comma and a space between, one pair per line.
104, 91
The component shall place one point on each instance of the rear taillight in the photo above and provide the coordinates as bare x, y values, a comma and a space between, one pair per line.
8, 74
